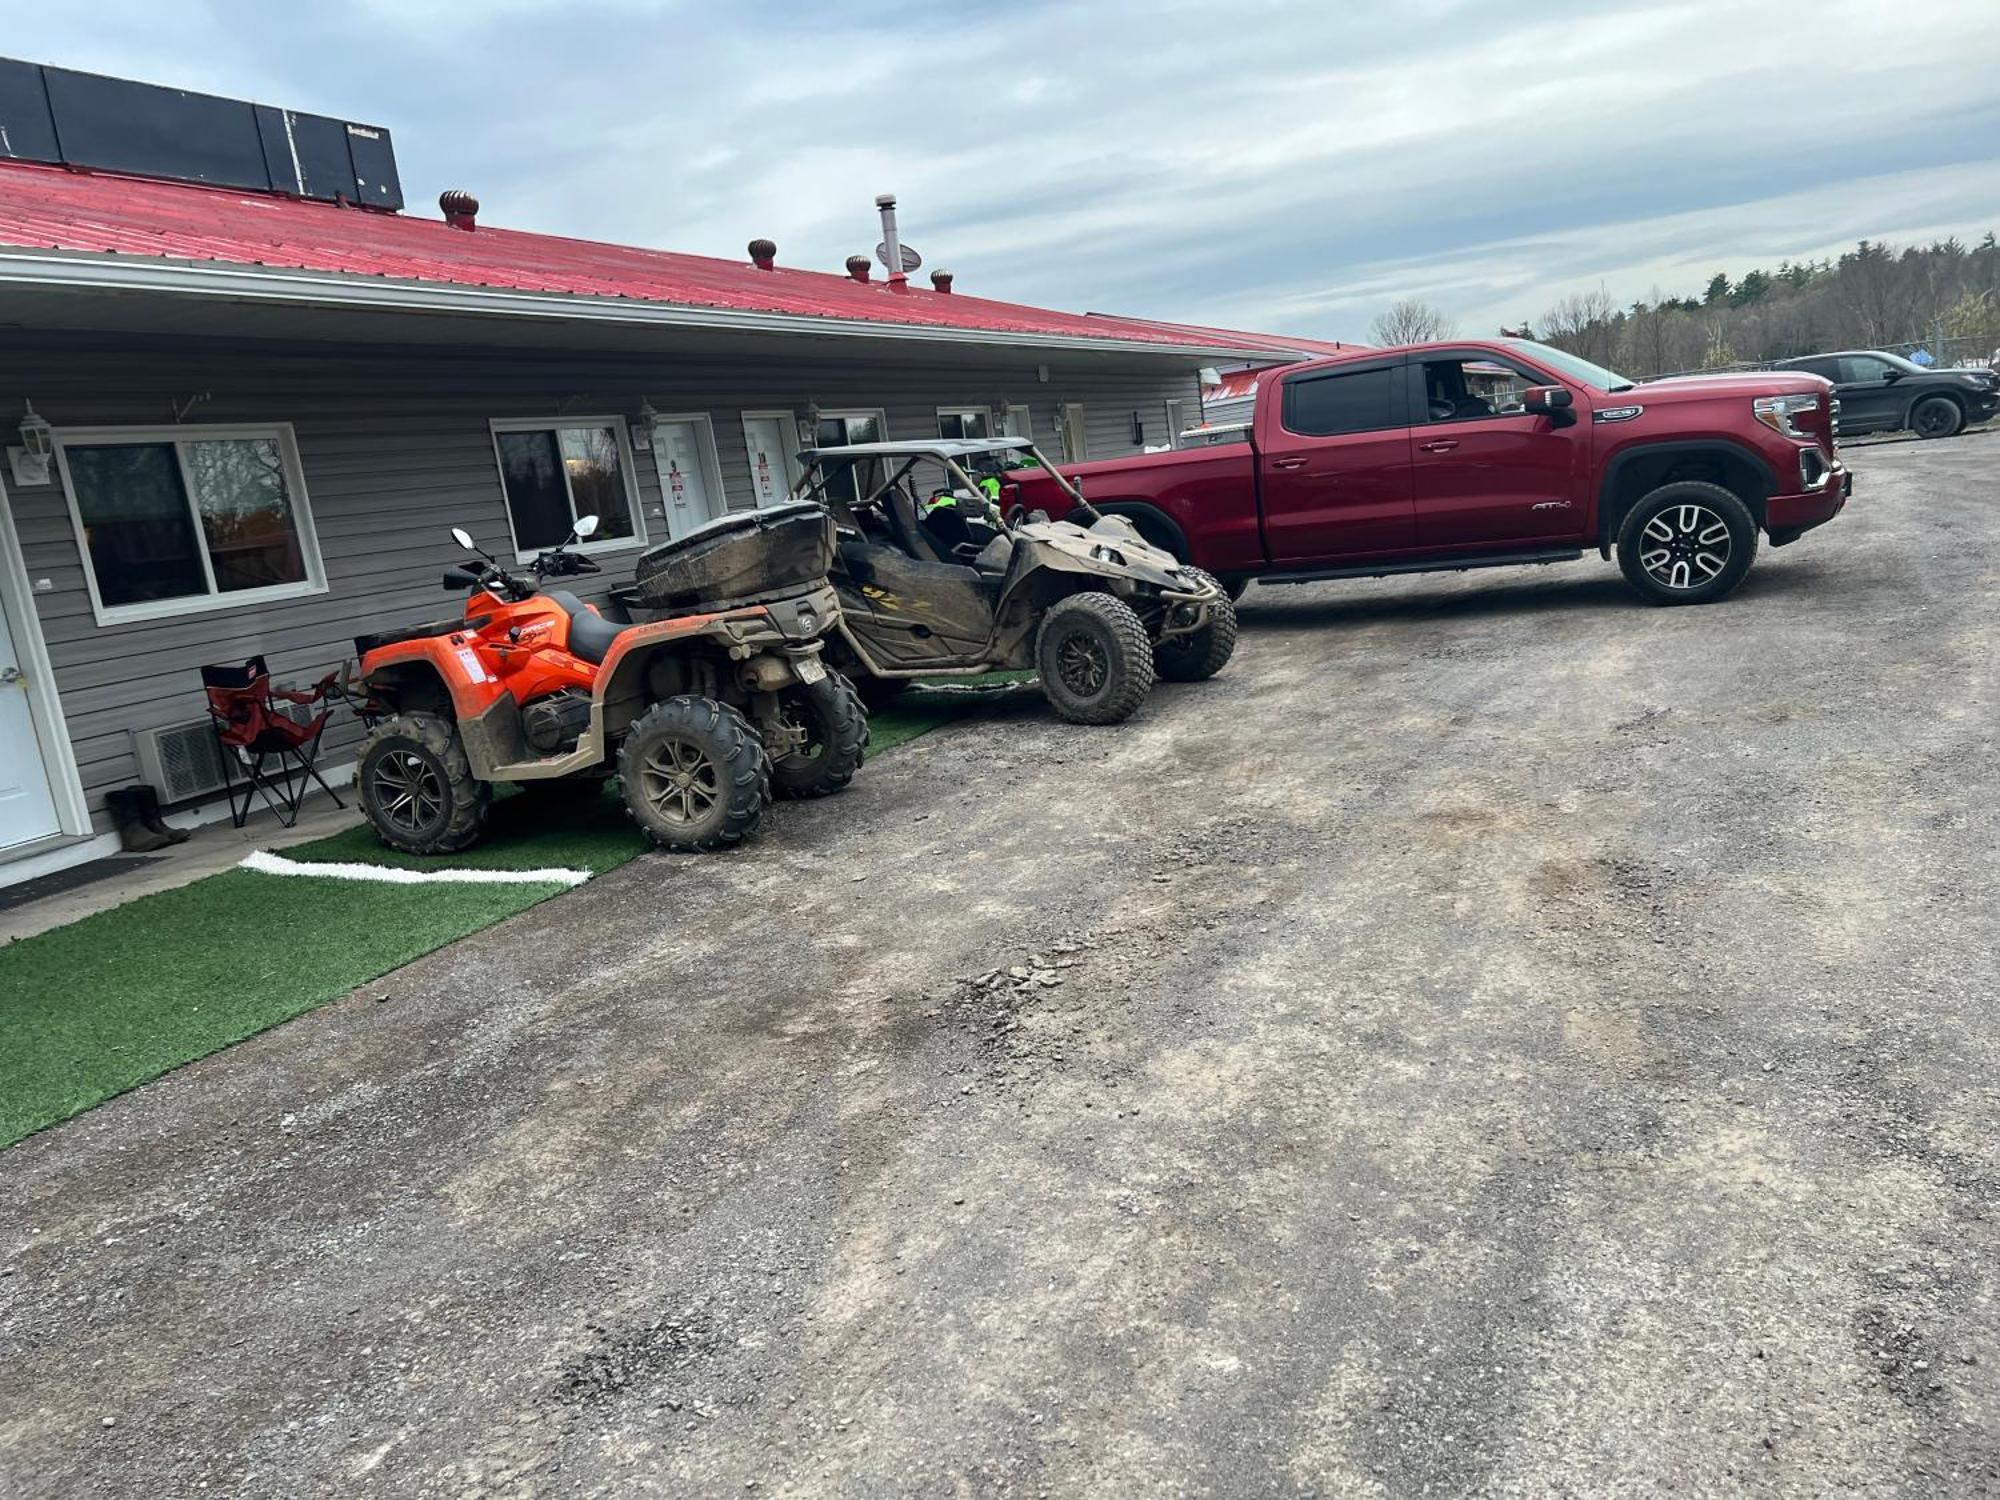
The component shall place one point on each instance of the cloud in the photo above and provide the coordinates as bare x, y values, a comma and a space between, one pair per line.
1286, 165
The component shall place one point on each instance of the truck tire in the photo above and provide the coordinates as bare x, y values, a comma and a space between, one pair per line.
1198, 657
836, 728
693, 774
1236, 586
417, 786
1936, 417
1687, 542
1095, 661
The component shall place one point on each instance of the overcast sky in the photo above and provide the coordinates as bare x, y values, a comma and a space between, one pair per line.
1285, 166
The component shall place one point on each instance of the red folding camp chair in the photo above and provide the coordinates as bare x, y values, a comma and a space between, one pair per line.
276, 753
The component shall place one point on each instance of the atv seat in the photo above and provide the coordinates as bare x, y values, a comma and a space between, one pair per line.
590, 634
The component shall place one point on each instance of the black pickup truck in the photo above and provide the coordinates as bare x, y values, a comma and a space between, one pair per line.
1886, 393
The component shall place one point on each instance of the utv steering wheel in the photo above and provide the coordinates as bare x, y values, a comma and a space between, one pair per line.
1014, 515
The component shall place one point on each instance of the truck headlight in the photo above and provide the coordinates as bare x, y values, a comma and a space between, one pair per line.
1777, 412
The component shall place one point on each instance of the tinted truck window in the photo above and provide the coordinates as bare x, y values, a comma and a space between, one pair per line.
1350, 401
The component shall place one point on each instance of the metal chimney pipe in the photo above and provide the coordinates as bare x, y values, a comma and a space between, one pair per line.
893, 247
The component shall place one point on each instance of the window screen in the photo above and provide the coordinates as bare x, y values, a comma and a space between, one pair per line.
1351, 401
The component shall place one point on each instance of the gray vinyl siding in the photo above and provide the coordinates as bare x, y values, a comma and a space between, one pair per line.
395, 449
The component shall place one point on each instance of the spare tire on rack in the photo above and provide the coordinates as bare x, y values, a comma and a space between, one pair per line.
746, 558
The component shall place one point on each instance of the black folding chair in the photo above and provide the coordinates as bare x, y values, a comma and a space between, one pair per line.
277, 754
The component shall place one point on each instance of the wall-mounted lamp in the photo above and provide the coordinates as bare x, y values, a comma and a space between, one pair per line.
1138, 431
642, 426
38, 445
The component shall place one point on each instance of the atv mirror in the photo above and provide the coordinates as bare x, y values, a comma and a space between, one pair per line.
586, 526
464, 538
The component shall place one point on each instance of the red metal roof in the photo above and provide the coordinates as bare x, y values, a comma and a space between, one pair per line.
54, 208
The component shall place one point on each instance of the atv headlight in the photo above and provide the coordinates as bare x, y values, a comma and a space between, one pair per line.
1109, 555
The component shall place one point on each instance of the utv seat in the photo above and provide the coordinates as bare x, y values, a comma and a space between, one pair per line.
590, 635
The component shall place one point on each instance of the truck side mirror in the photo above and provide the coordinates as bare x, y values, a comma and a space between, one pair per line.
1547, 400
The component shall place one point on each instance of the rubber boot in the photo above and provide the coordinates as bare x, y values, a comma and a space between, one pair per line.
149, 814
135, 836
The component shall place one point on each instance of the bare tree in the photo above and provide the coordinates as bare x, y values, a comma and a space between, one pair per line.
1412, 322
1581, 323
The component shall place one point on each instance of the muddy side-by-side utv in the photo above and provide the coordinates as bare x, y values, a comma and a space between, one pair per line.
941, 572
701, 713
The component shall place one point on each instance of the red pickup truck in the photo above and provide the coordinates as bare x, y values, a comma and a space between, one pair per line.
1487, 453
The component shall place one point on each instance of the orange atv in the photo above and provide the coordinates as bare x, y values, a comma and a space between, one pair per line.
700, 714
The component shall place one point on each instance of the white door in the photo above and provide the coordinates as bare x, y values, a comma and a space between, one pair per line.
681, 449
1176, 424
1018, 421
773, 439
27, 805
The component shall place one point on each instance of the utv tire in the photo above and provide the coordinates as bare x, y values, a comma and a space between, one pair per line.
1095, 661
1936, 417
836, 728
417, 786
693, 774
1198, 657
1687, 543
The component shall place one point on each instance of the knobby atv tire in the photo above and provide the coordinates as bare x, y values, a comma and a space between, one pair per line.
1198, 657
417, 787
1095, 661
714, 745
1688, 514
1936, 417
836, 738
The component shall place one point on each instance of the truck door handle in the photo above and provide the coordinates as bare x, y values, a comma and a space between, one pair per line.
1439, 445
1288, 463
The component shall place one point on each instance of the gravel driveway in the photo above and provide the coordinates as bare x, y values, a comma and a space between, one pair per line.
1497, 1039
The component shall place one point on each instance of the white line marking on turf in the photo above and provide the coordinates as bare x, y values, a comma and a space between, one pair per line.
276, 864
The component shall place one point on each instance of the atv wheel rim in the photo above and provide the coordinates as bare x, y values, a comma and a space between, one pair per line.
409, 792
1685, 546
680, 782
1083, 664
1934, 421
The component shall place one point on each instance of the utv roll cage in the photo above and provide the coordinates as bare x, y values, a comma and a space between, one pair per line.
958, 457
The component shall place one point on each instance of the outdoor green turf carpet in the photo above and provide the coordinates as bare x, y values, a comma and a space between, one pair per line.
122, 996
91, 1009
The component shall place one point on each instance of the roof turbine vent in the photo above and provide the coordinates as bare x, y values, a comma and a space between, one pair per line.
858, 266
461, 209
941, 279
764, 254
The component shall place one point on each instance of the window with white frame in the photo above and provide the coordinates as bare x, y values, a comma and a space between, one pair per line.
556, 472
964, 422
182, 519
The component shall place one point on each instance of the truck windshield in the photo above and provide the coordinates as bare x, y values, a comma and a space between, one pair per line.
1595, 376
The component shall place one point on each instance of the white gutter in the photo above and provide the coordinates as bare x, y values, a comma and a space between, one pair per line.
85, 271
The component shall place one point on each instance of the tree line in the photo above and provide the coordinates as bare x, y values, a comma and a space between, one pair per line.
1874, 296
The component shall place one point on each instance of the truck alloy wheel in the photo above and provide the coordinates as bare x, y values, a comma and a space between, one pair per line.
1095, 661
417, 786
693, 774
1687, 542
